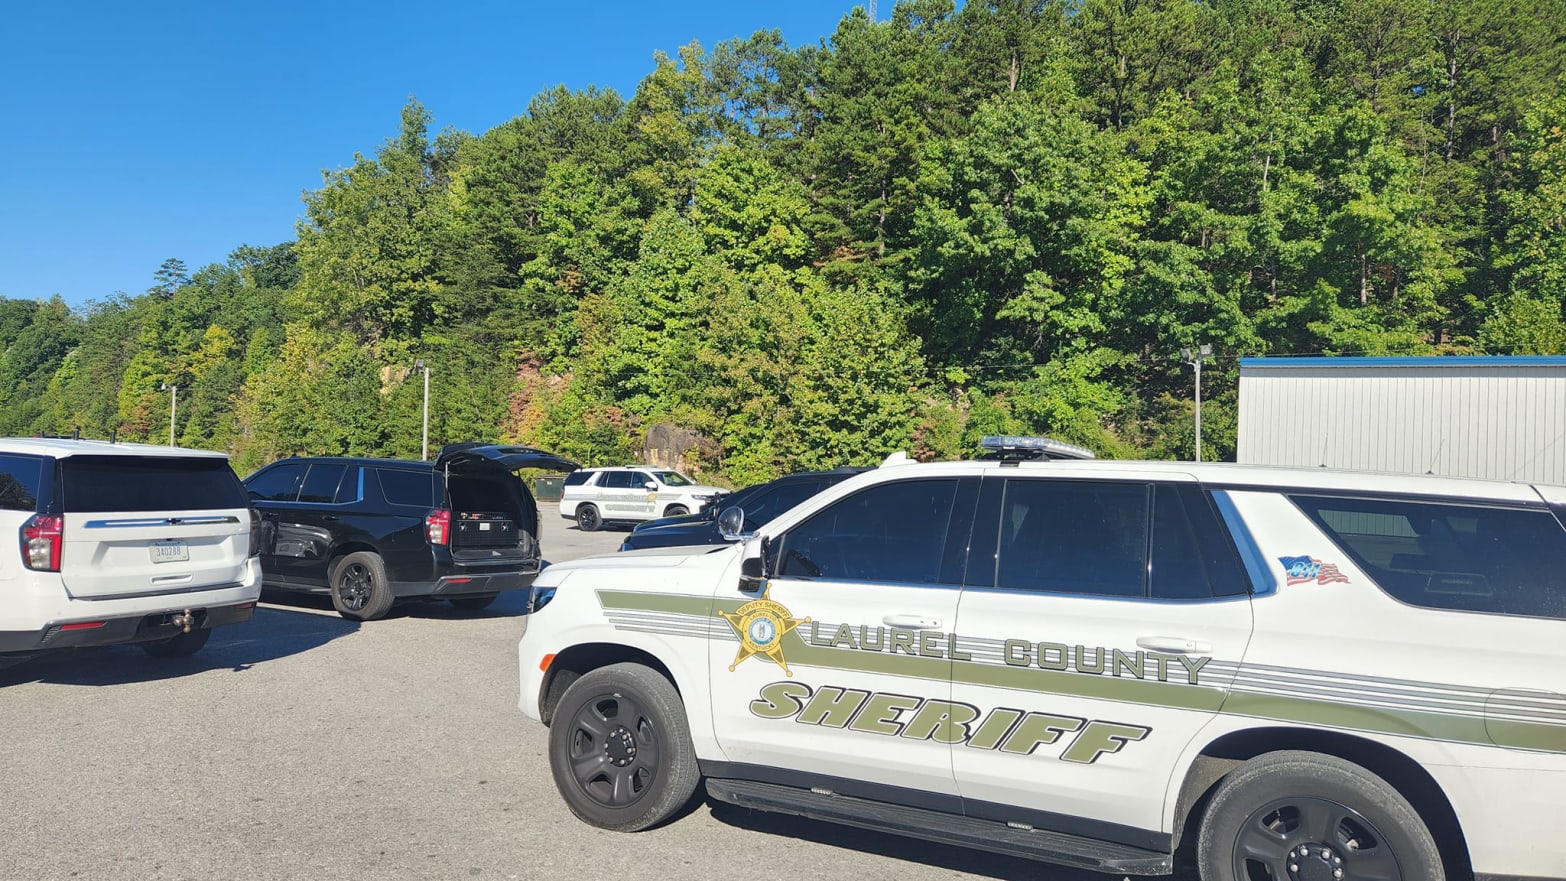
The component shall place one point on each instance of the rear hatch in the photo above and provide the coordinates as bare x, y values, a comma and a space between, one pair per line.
490, 517
146, 525
506, 456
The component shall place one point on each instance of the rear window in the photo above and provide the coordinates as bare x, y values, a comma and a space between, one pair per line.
412, 488
1472, 558
98, 484
19, 479
577, 478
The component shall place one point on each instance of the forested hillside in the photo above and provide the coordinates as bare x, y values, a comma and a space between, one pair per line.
1005, 218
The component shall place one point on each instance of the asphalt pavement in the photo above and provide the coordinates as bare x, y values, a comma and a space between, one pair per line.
303, 746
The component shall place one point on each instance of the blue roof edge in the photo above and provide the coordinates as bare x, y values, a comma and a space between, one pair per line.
1411, 361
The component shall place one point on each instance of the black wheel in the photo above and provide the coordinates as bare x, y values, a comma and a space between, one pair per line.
359, 587
620, 749
1302, 816
181, 646
676, 511
473, 603
587, 518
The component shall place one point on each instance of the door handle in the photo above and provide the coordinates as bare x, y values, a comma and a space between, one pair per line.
331, 518
1174, 645
911, 622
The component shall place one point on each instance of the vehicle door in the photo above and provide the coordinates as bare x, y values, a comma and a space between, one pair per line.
1100, 626
836, 666
616, 496
308, 527
269, 489
641, 502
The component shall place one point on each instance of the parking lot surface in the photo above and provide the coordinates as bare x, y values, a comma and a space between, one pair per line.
302, 745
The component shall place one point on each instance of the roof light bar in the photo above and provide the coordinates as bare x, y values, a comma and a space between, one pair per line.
1021, 447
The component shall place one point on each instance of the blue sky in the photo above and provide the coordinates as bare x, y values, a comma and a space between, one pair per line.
136, 132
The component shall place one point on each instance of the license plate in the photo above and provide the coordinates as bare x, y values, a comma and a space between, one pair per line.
169, 551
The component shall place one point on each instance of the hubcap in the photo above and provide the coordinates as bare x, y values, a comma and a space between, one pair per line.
1312, 839
353, 587
614, 750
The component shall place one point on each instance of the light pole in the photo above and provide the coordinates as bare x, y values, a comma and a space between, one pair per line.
424, 443
1202, 353
173, 391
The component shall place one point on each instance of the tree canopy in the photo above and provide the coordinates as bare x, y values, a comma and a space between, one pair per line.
1008, 217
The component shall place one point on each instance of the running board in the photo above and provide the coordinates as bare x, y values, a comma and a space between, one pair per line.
1035, 844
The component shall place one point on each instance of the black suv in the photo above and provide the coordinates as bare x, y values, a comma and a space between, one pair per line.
760, 503
373, 531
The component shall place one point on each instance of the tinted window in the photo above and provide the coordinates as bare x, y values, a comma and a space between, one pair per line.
413, 488
280, 483
97, 484
1079, 537
577, 478
893, 532
1178, 571
616, 480
19, 478
771, 502
1449, 556
320, 484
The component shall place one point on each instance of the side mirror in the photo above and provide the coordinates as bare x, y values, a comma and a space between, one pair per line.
753, 566
649, 485
731, 523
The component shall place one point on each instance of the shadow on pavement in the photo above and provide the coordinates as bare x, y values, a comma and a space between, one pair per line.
944, 856
509, 604
269, 635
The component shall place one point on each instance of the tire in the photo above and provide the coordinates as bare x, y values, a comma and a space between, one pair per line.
473, 603
676, 511
360, 590
587, 518
1344, 817
620, 749
182, 646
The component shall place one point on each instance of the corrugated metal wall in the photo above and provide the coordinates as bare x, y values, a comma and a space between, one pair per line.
1499, 418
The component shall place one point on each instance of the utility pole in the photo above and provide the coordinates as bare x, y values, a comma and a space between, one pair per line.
1202, 352
424, 443
173, 391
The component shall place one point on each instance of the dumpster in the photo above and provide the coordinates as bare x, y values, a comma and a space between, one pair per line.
549, 487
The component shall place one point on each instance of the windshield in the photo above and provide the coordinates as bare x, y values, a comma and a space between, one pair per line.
673, 478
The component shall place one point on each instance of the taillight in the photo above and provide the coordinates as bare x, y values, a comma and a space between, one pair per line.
437, 527
42, 537
255, 533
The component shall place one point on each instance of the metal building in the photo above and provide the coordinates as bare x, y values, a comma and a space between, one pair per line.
1502, 418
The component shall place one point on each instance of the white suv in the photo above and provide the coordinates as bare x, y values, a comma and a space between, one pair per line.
595, 496
121, 543
1298, 674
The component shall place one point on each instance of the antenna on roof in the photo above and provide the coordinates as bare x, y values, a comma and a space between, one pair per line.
1436, 457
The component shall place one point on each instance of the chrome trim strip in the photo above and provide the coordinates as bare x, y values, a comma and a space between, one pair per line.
143, 594
162, 521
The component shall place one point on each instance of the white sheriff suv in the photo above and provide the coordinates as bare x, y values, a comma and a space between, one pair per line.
631, 494
1291, 675
121, 543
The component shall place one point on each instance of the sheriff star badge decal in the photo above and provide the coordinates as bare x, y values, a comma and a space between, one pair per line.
760, 625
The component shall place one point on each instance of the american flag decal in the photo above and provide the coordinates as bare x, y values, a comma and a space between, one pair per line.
1300, 570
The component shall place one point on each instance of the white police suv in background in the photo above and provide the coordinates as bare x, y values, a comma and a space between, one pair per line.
595, 496
1298, 674
121, 543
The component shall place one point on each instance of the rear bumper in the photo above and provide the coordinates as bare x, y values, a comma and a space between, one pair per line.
120, 631
467, 581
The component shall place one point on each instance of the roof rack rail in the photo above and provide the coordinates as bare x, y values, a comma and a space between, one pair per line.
1011, 449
